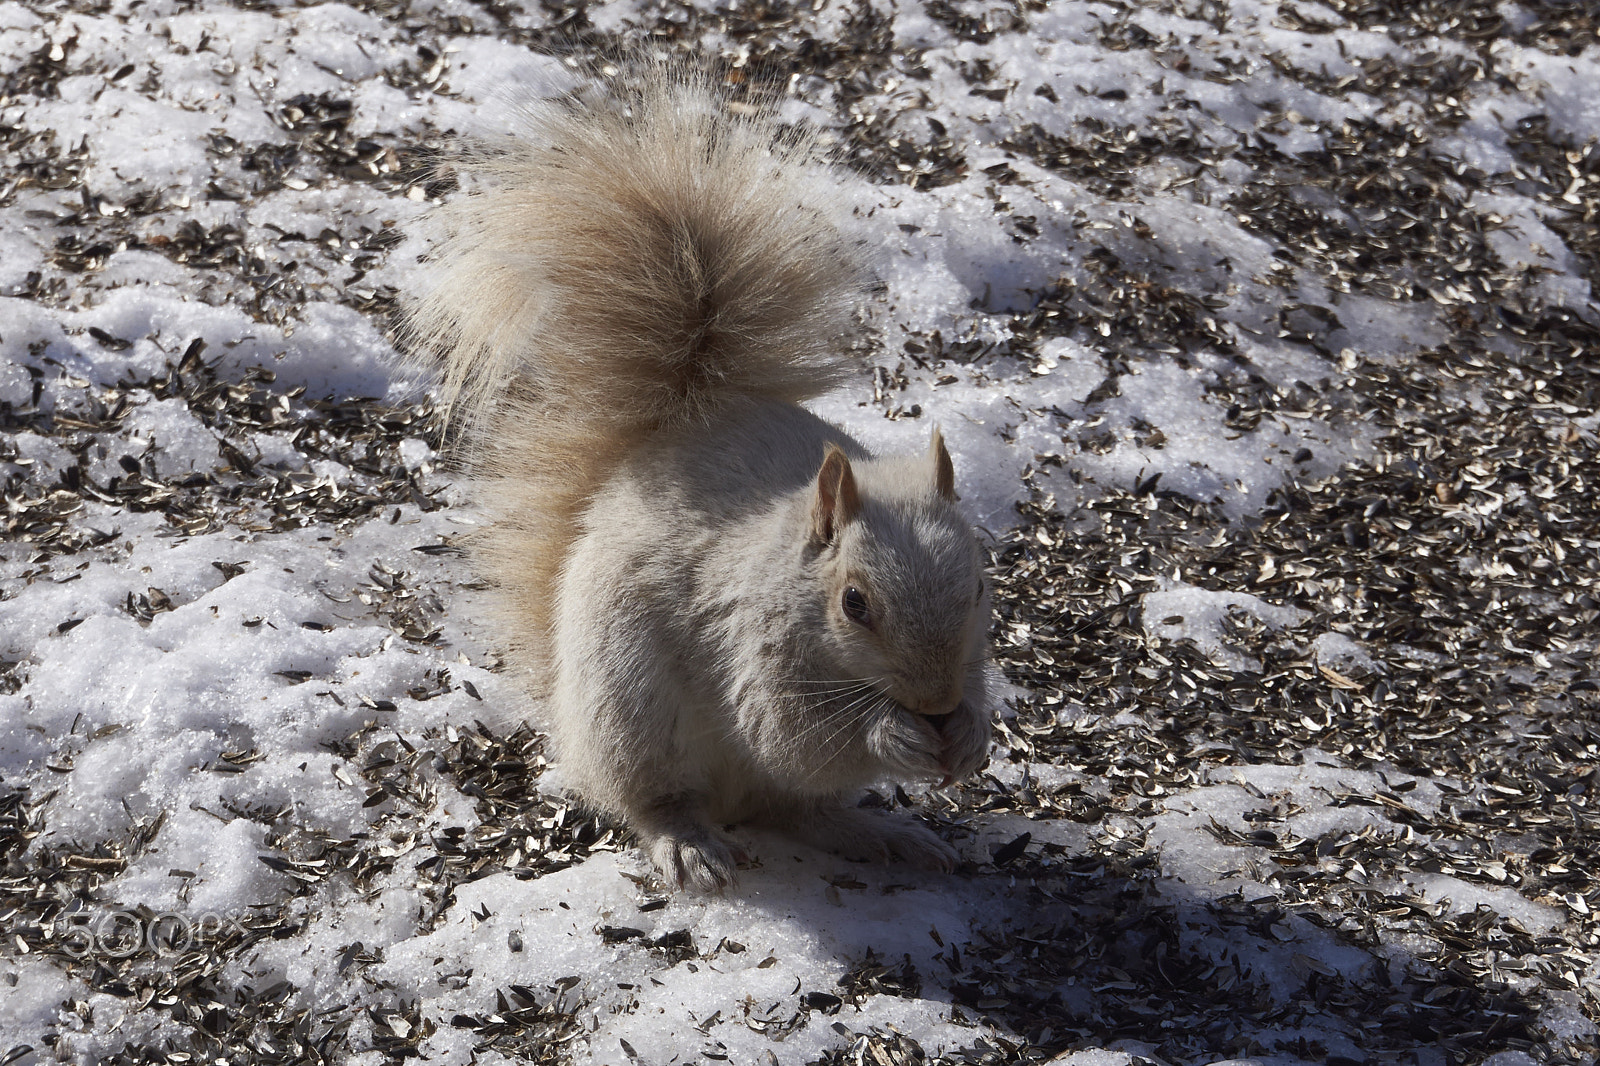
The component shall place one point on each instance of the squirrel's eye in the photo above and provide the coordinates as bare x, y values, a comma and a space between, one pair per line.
855, 606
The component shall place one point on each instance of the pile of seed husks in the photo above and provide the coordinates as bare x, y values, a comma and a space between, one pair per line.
44, 890
1463, 555
362, 436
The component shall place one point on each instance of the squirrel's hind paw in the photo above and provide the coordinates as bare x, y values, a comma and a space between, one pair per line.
703, 864
865, 835
918, 846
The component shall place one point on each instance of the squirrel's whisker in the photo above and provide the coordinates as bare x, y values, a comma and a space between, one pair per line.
795, 742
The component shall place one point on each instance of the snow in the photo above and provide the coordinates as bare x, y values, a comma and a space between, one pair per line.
784, 931
289, 656
1184, 612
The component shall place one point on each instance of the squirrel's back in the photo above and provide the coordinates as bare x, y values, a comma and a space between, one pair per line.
616, 267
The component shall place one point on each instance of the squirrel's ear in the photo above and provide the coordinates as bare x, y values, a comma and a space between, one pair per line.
837, 500
944, 471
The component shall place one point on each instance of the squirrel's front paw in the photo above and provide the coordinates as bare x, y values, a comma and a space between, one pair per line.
907, 745
966, 734
703, 863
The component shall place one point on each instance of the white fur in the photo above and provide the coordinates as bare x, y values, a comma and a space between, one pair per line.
631, 301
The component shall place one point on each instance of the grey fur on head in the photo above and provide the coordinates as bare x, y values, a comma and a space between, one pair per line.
736, 612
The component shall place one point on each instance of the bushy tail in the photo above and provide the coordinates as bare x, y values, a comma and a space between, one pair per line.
635, 261
619, 267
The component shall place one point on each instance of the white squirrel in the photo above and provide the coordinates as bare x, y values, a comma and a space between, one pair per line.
736, 613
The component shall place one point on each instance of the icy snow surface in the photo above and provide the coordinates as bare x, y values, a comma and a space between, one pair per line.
242, 661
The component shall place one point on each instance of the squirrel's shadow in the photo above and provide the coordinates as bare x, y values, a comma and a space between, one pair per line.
1081, 950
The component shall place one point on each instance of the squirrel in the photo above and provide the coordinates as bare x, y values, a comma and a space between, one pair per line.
735, 612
